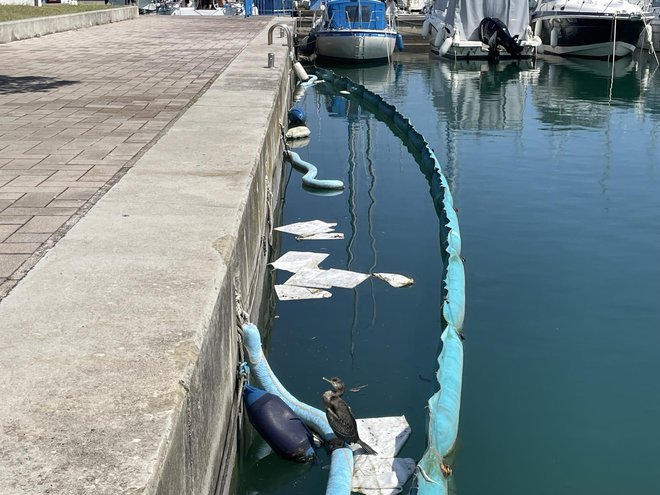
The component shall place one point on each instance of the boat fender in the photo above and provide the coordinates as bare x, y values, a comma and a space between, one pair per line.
537, 28
554, 37
426, 28
529, 34
300, 71
297, 132
649, 34
446, 45
279, 426
399, 42
297, 117
439, 37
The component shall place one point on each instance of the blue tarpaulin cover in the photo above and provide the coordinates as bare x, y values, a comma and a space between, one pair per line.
356, 14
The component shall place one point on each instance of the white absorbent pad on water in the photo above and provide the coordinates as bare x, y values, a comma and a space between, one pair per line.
298, 132
382, 474
294, 293
294, 261
325, 279
304, 229
374, 475
323, 236
394, 279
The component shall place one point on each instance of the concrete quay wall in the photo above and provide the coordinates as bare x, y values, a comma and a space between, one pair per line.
40, 26
120, 346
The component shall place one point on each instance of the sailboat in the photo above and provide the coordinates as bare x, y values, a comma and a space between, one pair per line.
355, 30
474, 29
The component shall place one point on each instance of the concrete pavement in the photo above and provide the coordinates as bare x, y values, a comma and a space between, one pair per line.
77, 108
137, 163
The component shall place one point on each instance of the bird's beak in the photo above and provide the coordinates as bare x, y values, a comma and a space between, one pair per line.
326, 379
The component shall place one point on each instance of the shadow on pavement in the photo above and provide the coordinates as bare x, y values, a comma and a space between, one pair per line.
30, 84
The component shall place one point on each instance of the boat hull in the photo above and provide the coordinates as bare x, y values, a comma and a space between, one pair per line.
473, 50
355, 45
589, 36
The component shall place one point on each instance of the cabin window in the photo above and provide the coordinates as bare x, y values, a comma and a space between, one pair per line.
358, 13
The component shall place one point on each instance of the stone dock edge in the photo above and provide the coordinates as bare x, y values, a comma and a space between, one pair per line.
122, 341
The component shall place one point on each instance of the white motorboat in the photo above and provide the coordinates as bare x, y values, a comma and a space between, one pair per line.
474, 29
590, 28
354, 30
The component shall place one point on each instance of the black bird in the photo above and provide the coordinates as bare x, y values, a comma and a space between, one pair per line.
340, 417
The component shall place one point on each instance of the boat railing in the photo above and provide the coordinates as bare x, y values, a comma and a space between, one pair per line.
283, 28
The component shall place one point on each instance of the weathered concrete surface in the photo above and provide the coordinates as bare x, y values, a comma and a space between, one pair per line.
118, 349
78, 108
40, 26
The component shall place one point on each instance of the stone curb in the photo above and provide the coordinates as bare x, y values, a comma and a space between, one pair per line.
40, 26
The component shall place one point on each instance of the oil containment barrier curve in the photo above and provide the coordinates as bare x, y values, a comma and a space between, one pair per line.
309, 179
341, 469
444, 405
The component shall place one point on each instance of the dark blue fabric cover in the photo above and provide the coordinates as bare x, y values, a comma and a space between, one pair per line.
279, 426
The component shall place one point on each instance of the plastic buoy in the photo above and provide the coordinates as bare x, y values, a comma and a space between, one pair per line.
426, 28
300, 71
438, 39
446, 45
298, 132
278, 425
297, 116
399, 42
554, 37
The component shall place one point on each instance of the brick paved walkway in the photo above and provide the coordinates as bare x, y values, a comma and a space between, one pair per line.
78, 108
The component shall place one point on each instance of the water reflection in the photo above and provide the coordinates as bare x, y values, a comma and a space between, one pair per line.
379, 78
580, 93
479, 97
271, 474
649, 76
360, 171
559, 233
476, 95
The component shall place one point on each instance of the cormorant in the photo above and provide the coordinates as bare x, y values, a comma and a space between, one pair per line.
340, 417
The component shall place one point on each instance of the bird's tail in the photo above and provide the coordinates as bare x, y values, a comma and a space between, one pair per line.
367, 450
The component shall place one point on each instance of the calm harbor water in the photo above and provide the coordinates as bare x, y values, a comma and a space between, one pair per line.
555, 170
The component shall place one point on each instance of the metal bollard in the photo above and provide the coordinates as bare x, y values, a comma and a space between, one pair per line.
271, 60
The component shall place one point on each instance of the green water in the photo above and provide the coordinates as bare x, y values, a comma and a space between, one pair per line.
554, 169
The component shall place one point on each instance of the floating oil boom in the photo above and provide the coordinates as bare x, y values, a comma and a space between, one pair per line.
444, 405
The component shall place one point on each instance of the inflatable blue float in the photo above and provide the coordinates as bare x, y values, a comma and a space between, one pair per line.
297, 117
278, 425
